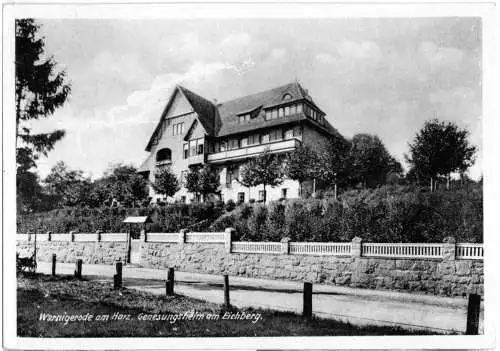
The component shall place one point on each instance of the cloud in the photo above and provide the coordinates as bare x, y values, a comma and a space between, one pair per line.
361, 51
439, 57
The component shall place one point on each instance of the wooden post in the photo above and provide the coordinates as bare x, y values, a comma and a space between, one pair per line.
118, 283
54, 265
473, 310
169, 288
78, 271
115, 282
170, 282
307, 309
226, 291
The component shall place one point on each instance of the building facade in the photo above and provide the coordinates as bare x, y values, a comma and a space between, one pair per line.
194, 131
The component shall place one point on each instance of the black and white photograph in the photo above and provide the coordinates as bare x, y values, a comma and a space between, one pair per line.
262, 177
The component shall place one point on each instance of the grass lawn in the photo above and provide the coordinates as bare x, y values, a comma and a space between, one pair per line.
65, 296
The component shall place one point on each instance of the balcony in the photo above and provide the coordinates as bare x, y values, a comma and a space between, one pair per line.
197, 159
251, 151
163, 163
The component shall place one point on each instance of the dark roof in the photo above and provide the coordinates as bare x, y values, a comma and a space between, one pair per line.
203, 107
222, 120
229, 110
205, 110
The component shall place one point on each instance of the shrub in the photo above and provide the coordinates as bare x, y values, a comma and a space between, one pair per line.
230, 205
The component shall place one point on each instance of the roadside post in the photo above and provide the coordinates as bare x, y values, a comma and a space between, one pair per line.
473, 310
226, 291
54, 258
117, 278
307, 309
169, 284
78, 270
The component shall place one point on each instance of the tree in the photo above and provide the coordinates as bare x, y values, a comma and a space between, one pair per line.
302, 164
370, 161
439, 149
67, 187
123, 184
202, 181
209, 181
40, 90
193, 181
266, 169
166, 182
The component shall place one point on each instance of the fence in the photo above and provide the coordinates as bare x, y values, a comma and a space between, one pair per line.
256, 247
322, 249
74, 237
402, 250
354, 248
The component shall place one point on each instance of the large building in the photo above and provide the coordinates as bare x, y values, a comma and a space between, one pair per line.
193, 131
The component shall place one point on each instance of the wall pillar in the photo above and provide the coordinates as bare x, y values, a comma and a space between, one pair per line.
229, 235
72, 235
182, 236
285, 246
98, 235
449, 248
356, 247
49, 236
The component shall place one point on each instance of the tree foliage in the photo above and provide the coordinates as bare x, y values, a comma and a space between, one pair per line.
370, 161
40, 89
204, 181
165, 182
122, 184
266, 169
440, 148
67, 187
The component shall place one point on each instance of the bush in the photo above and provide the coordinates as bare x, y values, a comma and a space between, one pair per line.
169, 218
230, 205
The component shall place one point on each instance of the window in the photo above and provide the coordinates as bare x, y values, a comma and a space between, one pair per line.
183, 177
265, 138
262, 195
241, 197
244, 142
287, 97
254, 139
284, 192
233, 144
200, 148
183, 199
287, 110
192, 147
163, 155
178, 129
289, 133
229, 176
217, 147
280, 112
297, 131
299, 108
293, 109
268, 114
223, 146
276, 134
274, 114
186, 150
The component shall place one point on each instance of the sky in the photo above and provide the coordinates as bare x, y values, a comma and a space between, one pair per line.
377, 76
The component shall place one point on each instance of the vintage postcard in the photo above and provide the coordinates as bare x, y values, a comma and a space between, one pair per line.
248, 176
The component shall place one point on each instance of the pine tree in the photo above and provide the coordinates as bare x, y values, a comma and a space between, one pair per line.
40, 89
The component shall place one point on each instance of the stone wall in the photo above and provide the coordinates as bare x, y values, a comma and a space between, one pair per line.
440, 277
89, 252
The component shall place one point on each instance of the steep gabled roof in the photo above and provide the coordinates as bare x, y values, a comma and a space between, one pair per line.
229, 110
202, 107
